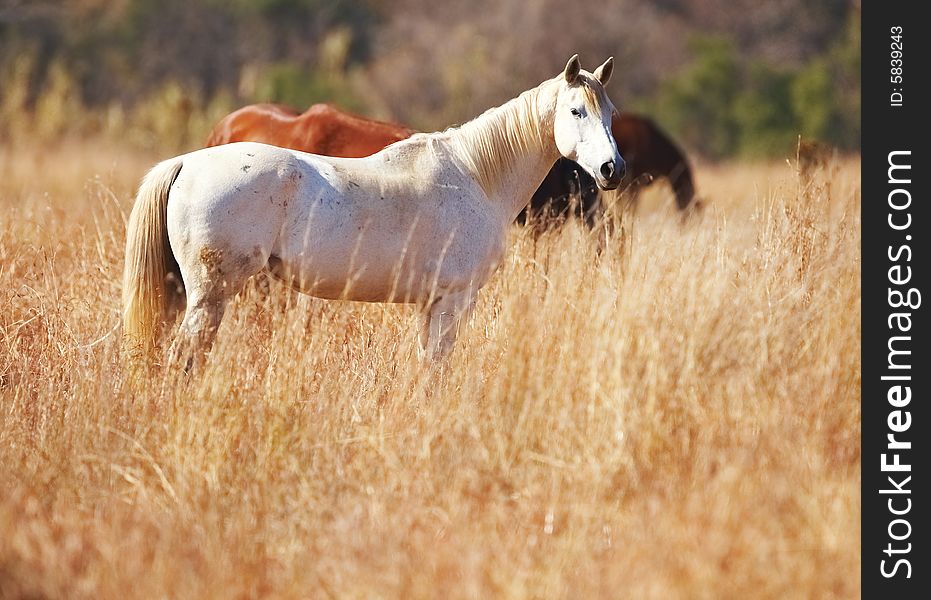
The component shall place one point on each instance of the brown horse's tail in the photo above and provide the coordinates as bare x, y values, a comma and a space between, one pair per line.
147, 294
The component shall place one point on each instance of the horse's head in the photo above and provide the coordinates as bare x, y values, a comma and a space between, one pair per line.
582, 125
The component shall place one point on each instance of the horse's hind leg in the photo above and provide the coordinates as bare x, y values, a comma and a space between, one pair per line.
198, 331
211, 281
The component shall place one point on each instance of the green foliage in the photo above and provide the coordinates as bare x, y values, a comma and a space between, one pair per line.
698, 102
721, 104
88, 66
292, 84
300, 85
766, 124
813, 100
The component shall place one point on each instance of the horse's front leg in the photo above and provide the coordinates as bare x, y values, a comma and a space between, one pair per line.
439, 324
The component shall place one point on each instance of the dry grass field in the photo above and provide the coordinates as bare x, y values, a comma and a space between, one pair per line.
674, 417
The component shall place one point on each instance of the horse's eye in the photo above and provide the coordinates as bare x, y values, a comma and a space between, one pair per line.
575, 113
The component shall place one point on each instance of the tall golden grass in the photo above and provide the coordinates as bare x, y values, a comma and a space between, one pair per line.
676, 416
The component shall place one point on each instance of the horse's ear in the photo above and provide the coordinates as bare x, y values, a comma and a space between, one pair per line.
603, 73
572, 69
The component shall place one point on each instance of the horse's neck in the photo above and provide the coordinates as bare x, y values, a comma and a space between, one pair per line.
510, 149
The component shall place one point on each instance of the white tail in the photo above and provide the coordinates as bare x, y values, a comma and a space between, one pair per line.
149, 260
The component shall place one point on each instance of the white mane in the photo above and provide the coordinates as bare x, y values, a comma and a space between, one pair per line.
492, 141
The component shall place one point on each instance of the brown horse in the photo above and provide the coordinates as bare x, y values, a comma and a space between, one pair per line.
321, 129
650, 155
567, 188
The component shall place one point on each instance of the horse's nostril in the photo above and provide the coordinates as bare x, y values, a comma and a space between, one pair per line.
607, 170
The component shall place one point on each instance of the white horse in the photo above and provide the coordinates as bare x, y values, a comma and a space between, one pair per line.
423, 221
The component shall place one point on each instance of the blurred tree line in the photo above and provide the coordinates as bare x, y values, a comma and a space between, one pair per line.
726, 77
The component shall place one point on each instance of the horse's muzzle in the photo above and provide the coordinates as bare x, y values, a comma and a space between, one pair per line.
610, 174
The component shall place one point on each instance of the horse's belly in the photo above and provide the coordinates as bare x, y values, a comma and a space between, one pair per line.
376, 265
336, 266
365, 278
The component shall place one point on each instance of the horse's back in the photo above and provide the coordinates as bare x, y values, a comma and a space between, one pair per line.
644, 146
217, 175
648, 150
331, 131
253, 123
249, 175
